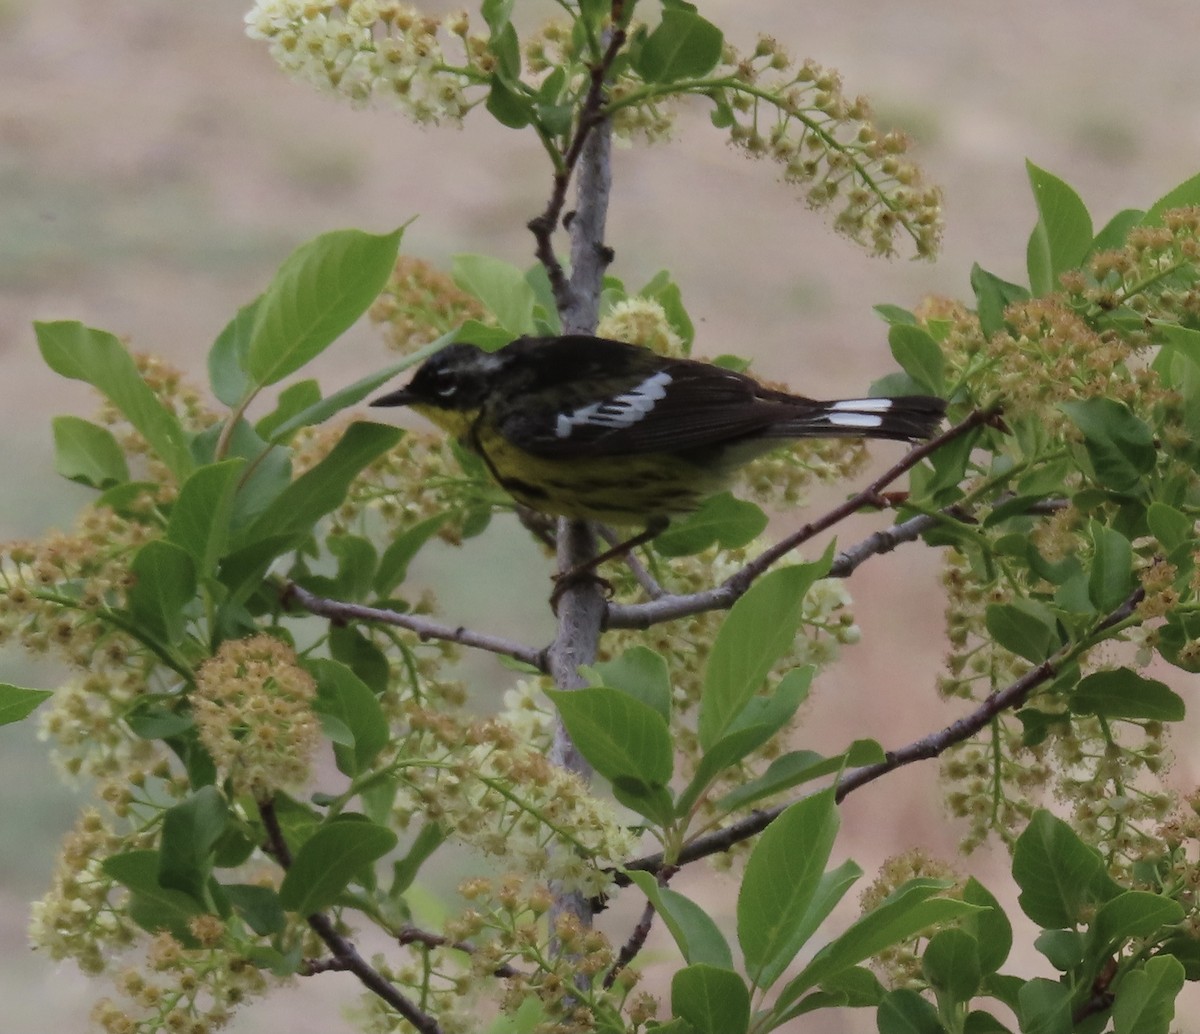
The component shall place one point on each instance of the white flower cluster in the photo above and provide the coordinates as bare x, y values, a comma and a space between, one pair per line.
372, 51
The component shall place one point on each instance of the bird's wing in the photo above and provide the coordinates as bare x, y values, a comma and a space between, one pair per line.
679, 406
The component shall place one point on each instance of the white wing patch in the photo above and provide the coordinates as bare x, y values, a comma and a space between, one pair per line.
620, 411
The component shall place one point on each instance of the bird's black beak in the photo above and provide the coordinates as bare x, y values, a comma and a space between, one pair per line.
402, 397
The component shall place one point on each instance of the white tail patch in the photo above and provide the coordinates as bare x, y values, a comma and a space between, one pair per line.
620, 411
863, 405
857, 420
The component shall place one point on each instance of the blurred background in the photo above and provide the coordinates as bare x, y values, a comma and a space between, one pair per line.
155, 168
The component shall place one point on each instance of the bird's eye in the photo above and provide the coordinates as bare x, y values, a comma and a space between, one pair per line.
443, 384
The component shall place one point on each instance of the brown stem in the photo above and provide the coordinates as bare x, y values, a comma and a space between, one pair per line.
337, 610
345, 955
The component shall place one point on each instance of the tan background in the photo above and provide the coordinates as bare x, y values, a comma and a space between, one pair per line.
155, 168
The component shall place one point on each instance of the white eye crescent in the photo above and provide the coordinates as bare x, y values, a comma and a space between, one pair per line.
445, 390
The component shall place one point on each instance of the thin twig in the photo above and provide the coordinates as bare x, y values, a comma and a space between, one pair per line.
642, 576
670, 607
344, 952
414, 935
931, 746
337, 610
637, 939
591, 116
629, 950
884, 541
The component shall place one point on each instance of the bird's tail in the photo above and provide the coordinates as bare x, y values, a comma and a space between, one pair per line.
903, 418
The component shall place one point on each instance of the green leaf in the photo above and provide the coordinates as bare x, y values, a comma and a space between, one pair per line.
712, 1000
683, 45
152, 906
268, 471
991, 927
1171, 527
1063, 234
800, 766
642, 674
907, 911
992, 296
1175, 638
393, 565
96, 357
508, 106
1064, 949
1187, 193
164, 586
783, 875
357, 561
227, 357
17, 703
258, 906
431, 837
1145, 997
762, 718
344, 695
699, 938
1059, 875
354, 393
87, 453
1044, 1007
951, 964
1123, 693
1116, 230
759, 630
200, 516
321, 489
893, 314
190, 831
327, 862
294, 399
501, 287
1135, 913
723, 519
1111, 577
1024, 628
497, 13
320, 290
624, 739
1120, 446
903, 1011
919, 356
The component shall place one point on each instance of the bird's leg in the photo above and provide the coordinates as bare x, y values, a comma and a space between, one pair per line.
565, 579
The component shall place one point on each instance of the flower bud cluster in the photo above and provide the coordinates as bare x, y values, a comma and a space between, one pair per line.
376, 51
796, 115
253, 711
419, 304
900, 964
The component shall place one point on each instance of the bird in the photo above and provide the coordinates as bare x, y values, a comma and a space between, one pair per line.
591, 428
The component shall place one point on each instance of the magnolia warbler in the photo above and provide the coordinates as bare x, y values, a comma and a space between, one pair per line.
585, 427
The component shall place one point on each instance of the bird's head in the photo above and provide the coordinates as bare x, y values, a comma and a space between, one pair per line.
450, 386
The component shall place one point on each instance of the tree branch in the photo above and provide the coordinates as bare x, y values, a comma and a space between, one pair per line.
720, 597
345, 954
581, 608
931, 746
336, 610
